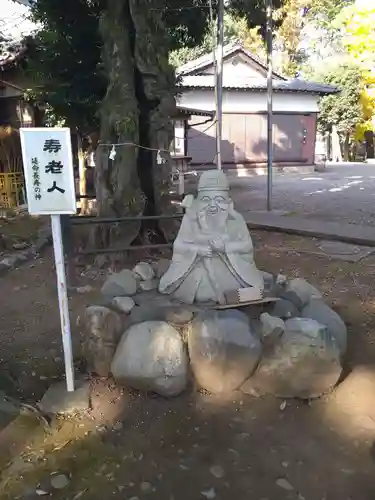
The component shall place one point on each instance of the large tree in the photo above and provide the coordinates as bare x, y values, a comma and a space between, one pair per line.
348, 111
103, 64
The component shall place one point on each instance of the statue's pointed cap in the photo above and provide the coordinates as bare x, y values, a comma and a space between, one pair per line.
213, 180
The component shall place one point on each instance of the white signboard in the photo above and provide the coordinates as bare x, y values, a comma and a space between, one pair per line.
48, 167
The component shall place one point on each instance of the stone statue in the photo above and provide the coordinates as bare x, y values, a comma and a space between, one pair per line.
213, 251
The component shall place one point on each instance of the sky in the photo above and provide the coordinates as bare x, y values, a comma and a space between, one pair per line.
13, 20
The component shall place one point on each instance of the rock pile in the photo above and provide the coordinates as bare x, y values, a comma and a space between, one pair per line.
291, 347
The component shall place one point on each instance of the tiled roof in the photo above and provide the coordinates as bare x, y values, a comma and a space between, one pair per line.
184, 110
257, 84
206, 60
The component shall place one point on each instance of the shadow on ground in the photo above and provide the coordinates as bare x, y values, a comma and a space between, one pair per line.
201, 446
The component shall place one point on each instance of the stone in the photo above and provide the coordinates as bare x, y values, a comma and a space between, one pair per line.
124, 304
145, 271
161, 267
151, 356
223, 350
57, 400
59, 481
85, 289
305, 363
272, 328
120, 284
292, 297
101, 330
146, 487
269, 281
284, 484
283, 309
281, 279
148, 285
299, 292
209, 494
140, 314
217, 471
41, 493
179, 316
213, 252
318, 310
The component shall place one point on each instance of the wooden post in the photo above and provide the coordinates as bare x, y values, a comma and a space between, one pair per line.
82, 174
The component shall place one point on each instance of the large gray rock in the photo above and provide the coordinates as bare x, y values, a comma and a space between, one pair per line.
223, 350
149, 285
318, 310
304, 364
123, 304
120, 284
151, 356
145, 271
140, 314
284, 309
101, 331
272, 328
304, 290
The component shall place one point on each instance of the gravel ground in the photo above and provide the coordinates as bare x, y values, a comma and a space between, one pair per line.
196, 446
343, 193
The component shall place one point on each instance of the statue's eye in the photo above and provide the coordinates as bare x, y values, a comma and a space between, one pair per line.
220, 199
206, 199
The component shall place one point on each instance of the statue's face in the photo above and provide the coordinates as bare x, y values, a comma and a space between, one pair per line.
213, 202
213, 209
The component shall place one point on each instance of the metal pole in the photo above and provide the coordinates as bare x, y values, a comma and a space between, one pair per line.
219, 81
63, 301
269, 104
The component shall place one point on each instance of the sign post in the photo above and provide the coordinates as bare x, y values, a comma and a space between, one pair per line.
49, 177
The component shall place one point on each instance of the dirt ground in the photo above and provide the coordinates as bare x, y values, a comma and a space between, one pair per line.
196, 446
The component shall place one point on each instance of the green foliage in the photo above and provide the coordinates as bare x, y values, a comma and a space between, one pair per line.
324, 12
64, 58
236, 29
344, 110
288, 36
357, 23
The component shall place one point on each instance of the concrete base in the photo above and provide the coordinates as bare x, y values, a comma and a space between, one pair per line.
58, 401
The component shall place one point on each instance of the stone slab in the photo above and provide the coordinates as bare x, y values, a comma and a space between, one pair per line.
337, 250
345, 251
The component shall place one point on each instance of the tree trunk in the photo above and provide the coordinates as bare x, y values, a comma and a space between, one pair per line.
136, 110
82, 175
346, 147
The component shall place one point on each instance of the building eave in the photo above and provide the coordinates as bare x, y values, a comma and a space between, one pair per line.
188, 112
205, 61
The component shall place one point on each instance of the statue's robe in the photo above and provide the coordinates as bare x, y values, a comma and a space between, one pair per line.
192, 277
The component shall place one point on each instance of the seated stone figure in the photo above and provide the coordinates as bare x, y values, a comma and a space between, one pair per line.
213, 251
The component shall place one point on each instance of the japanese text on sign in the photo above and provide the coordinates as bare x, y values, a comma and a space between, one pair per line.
48, 165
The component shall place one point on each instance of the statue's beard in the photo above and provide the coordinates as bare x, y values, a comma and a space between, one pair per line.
213, 223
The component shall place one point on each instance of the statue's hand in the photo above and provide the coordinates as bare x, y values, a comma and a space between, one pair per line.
218, 244
206, 251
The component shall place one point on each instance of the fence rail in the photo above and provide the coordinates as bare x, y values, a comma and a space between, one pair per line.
68, 221
78, 220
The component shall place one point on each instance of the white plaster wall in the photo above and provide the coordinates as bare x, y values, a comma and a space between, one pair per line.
235, 68
179, 137
236, 101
